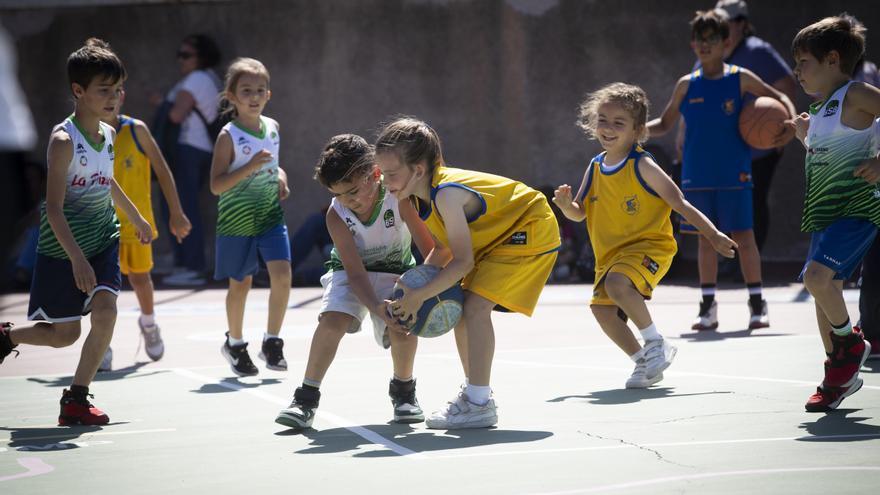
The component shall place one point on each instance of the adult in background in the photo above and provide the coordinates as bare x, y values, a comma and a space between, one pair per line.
192, 103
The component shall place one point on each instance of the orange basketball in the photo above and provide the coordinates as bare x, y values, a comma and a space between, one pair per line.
761, 123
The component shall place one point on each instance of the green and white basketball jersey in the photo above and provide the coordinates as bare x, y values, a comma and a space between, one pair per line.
88, 207
383, 243
252, 206
833, 152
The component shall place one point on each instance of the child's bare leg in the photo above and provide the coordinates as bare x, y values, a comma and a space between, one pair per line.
461, 343
480, 338
47, 334
824, 328
103, 320
235, 302
707, 262
279, 293
615, 328
331, 328
828, 293
749, 256
142, 283
624, 294
403, 354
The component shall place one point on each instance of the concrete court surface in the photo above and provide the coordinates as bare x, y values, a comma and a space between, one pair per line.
727, 418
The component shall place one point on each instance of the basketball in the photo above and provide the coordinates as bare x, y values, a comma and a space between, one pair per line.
438, 314
761, 123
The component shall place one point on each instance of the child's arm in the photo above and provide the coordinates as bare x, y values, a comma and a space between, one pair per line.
432, 252
221, 179
751, 83
571, 208
144, 230
283, 189
657, 180
668, 119
343, 241
178, 223
863, 104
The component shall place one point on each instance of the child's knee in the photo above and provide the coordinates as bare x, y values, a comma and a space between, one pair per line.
817, 277
617, 285
65, 335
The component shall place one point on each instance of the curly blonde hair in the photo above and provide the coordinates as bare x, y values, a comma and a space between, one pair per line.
632, 98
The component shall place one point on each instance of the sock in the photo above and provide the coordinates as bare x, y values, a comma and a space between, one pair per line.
708, 291
148, 320
233, 342
267, 336
639, 355
311, 385
403, 380
842, 330
79, 392
478, 394
650, 333
755, 299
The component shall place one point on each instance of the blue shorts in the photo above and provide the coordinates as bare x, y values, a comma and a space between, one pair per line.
54, 295
729, 209
236, 256
841, 246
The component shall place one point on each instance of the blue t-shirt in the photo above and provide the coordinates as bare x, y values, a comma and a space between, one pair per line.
715, 155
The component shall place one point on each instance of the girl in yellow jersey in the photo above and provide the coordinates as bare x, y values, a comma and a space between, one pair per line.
626, 200
502, 237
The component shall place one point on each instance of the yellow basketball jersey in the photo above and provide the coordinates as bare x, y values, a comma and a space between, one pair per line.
624, 213
515, 219
131, 169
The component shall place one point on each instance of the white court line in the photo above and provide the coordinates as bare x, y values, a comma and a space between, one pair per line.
349, 425
657, 445
34, 466
87, 434
719, 474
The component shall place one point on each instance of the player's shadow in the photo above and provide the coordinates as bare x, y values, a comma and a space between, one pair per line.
835, 426
50, 438
630, 396
233, 385
103, 376
337, 440
714, 335
872, 366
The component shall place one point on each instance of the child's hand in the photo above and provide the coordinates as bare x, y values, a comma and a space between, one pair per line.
83, 274
869, 170
144, 230
261, 158
407, 307
179, 226
801, 125
283, 190
384, 311
723, 244
562, 196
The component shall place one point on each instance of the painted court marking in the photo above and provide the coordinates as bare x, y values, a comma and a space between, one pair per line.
339, 421
33, 466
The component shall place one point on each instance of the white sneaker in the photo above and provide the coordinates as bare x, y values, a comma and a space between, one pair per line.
107, 360
462, 413
184, 278
152, 341
760, 319
639, 377
707, 319
658, 356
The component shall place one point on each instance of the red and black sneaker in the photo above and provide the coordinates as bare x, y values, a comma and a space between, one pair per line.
828, 398
79, 411
6, 345
848, 354
875, 345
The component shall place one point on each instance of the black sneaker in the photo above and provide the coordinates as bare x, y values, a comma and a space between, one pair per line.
301, 411
238, 358
272, 353
403, 398
6, 345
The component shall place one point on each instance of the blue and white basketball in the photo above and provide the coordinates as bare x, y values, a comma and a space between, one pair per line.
438, 314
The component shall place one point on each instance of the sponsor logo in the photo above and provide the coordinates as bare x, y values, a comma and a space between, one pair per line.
817, 150
745, 177
350, 223
80, 148
83, 160
389, 218
831, 108
829, 258
128, 162
630, 204
695, 100
96, 178
729, 107
246, 150
650, 264
518, 239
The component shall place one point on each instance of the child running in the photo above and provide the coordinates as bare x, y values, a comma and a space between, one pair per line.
372, 233
627, 200
77, 266
250, 222
503, 239
136, 153
716, 171
842, 203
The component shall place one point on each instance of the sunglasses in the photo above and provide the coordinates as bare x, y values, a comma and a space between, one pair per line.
184, 55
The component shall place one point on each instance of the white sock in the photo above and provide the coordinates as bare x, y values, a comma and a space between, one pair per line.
843, 331
650, 333
234, 342
148, 320
639, 355
478, 394
267, 336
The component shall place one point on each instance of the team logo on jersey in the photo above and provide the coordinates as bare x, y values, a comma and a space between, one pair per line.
831, 108
350, 223
274, 137
389, 218
650, 264
83, 160
876, 193
695, 100
729, 107
518, 239
80, 148
630, 204
593, 199
745, 177
128, 162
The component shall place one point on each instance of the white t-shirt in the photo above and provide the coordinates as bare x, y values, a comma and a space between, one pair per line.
204, 86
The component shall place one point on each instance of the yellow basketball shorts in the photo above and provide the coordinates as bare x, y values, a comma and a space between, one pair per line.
644, 271
513, 282
135, 257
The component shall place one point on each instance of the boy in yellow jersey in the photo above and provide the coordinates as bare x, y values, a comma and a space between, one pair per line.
136, 153
503, 240
627, 199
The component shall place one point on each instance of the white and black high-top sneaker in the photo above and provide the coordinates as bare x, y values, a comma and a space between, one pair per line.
301, 411
403, 398
707, 319
239, 359
273, 353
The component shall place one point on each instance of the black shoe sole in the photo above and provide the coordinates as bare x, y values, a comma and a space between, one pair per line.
269, 366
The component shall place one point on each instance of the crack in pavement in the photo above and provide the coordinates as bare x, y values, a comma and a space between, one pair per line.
656, 453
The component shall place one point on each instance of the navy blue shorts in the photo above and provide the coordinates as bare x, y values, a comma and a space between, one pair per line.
841, 246
236, 256
54, 295
729, 209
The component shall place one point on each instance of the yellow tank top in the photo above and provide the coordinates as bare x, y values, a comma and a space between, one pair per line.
515, 219
623, 212
131, 169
